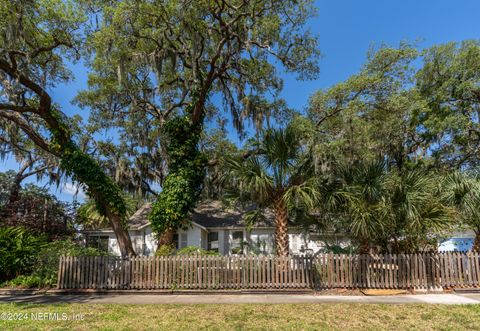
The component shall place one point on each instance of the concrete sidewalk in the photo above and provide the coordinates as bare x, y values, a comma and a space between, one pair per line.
243, 299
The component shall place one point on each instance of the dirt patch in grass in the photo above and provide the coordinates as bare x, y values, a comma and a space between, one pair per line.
339, 291
244, 317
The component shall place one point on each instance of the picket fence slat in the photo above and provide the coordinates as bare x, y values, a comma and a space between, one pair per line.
323, 271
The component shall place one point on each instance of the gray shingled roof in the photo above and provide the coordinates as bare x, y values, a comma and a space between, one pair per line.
140, 218
212, 214
209, 214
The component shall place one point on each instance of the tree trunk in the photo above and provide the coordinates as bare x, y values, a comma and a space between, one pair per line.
364, 246
9, 210
281, 228
476, 243
123, 238
166, 238
74, 161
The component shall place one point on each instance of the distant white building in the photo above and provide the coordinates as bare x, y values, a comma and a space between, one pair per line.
217, 229
459, 241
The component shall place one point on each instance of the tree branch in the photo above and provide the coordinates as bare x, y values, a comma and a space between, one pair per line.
29, 131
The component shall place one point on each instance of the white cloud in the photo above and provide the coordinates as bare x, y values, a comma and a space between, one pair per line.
72, 189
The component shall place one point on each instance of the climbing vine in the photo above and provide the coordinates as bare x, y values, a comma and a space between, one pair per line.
183, 184
85, 170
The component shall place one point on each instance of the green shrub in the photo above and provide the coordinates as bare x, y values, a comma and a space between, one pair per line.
18, 252
45, 269
46, 266
338, 249
25, 281
165, 250
192, 250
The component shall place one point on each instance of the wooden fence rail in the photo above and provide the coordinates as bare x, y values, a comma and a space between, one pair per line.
402, 271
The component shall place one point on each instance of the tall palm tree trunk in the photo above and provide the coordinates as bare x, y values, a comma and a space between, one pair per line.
281, 228
364, 246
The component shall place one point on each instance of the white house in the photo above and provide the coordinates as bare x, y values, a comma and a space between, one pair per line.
460, 241
214, 228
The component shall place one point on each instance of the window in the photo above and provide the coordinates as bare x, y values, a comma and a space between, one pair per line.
237, 242
213, 241
175, 240
183, 240
98, 242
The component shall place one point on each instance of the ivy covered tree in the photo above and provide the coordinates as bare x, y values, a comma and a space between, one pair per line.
162, 63
36, 38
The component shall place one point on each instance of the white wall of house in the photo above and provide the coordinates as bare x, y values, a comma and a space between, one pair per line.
261, 240
193, 236
257, 241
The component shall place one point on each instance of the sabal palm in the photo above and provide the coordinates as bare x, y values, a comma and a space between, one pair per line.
91, 218
357, 194
277, 175
463, 193
386, 207
417, 208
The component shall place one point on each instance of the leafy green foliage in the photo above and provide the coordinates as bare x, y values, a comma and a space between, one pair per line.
165, 250
403, 211
279, 167
18, 250
169, 250
183, 184
38, 36
277, 174
44, 271
89, 216
193, 250
463, 193
34, 209
84, 169
162, 69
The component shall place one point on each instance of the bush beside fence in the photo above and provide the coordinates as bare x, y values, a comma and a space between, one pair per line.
402, 271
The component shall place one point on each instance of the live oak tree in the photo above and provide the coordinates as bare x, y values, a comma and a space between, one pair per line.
36, 38
406, 105
159, 66
373, 114
33, 161
449, 81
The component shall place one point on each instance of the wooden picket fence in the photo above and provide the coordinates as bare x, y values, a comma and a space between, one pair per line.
402, 271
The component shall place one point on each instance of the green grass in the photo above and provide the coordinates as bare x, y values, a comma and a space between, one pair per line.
249, 317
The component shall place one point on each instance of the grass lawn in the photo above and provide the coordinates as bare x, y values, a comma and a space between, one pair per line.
248, 316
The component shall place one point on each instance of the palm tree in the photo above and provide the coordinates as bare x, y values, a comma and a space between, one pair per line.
417, 210
397, 210
90, 217
355, 196
463, 192
278, 174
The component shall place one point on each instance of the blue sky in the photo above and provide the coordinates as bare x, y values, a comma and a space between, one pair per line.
346, 29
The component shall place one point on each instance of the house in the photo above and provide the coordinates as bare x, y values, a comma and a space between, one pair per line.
457, 241
215, 228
